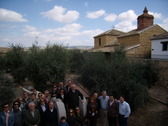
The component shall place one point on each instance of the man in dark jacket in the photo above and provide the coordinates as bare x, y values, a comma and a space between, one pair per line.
113, 111
42, 108
73, 97
51, 115
32, 115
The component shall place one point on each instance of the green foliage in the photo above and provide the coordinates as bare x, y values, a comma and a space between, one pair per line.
13, 62
46, 65
40, 66
7, 90
76, 59
119, 76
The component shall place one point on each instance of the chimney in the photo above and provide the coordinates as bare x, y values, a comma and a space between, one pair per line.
145, 20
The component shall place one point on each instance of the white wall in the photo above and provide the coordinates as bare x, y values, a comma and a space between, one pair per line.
156, 51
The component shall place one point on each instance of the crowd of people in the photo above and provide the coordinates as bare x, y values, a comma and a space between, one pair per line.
38, 109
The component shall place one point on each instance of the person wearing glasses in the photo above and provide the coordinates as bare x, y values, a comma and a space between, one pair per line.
18, 115
71, 119
79, 117
6, 117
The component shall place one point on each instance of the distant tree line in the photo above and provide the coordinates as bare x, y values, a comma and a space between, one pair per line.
115, 74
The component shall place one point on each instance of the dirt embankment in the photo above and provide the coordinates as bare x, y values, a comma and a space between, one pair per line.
155, 112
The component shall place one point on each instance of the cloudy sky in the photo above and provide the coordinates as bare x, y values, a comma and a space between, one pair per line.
71, 22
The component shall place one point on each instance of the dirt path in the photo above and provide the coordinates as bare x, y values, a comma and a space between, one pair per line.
155, 112
79, 86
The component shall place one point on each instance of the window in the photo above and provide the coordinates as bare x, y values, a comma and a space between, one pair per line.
99, 41
164, 46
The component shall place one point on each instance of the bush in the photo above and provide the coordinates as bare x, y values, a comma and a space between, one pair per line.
119, 77
7, 90
46, 65
13, 62
76, 59
41, 66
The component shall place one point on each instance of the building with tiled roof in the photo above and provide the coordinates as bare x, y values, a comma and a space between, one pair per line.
107, 37
137, 42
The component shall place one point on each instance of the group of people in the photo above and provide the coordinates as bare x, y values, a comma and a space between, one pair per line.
38, 109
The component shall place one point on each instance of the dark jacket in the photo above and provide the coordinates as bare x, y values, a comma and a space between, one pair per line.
29, 120
42, 115
73, 98
62, 98
71, 121
54, 93
92, 110
51, 117
113, 110
79, 120
18, 117
67, 89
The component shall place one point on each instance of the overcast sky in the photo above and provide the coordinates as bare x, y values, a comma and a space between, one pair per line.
72, 22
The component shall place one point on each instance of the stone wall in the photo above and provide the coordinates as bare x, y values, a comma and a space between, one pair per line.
144, 40
129, 40
104, 40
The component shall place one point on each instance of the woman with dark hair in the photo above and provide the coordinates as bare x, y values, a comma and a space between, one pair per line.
92, 112
71, 119
17, 114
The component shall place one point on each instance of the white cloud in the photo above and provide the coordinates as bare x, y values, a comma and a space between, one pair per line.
156, 15
67, 30
8, 26
70, 34
125, 26
29, 28
165, 24
61, 14
96, 14
128, 16
11, 16
110, 17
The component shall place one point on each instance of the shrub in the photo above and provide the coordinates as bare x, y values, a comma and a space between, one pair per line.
46, 65
119, 76
76, 59
7, 90
13, 62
